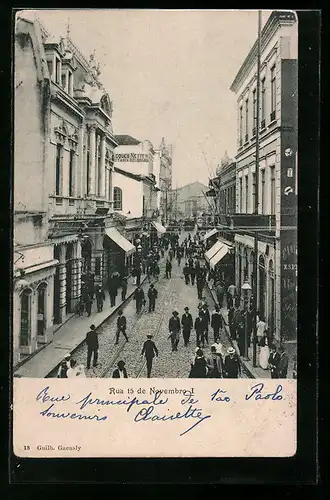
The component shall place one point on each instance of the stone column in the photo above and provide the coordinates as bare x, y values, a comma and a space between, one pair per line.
102, 166
92, 153
110, 190
62, 277
80, 162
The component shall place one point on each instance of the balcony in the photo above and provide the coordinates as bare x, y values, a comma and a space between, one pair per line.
273, 116
263, 124
248, 222
240, 142
246, 137
254, 130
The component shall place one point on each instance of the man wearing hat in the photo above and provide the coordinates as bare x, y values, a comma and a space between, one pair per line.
92, 346
232, 367
187, 325
174, 329
120, 372
214, 363
149, 350
64, 367
152, 296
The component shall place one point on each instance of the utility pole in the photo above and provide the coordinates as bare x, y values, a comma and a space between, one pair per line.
256, 199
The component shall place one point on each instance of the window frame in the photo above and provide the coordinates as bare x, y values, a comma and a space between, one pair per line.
273, 89
59, 170
117, 200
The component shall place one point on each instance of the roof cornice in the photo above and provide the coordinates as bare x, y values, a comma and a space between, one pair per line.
276, 20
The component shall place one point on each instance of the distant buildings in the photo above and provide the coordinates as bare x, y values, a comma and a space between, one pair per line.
188, 201
164, 160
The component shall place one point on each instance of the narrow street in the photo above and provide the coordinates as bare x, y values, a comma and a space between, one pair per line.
173, 294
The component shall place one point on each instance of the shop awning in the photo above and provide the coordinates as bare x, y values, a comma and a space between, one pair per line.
213, 250
216, 253
209, 234
160, 229
219, 255
120, 240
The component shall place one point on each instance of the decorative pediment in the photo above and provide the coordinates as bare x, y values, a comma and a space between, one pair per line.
73, 139
61, 132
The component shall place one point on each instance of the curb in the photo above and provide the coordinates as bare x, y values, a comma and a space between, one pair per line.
243, 365
127, 299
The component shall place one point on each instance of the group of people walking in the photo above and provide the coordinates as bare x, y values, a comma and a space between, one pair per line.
216, 364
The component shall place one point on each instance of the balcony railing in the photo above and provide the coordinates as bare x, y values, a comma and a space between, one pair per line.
248, 222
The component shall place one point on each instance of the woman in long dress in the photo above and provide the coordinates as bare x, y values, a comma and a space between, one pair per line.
264, 353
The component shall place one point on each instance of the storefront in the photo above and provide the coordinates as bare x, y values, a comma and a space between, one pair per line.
118, 251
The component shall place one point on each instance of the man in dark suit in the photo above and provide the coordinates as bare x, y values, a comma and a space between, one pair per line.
216, 322
200, 327
92, 346
273, 361
139, 298
152, 295
120, 372
149, 350
283, 362
121, 326
187, 325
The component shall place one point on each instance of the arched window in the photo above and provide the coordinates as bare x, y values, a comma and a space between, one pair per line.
25, 330
117, 198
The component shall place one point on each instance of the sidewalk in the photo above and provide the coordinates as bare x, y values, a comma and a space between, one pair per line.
69, 336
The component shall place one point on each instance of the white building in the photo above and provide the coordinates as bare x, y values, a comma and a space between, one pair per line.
277, 209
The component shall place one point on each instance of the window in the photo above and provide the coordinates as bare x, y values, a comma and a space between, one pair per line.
88, 167
246, 120
254, 186
58, 167
240, 125
70, 87
263, 102
50, 68
58, 71
117, 198
25, 331
41, 319
241, 194
99, 166
71, 173
254, 112
272, 190
63, 80
273, 93
246, 194
263, 191
144, 205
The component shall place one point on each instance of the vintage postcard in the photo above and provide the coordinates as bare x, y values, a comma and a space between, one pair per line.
155, 233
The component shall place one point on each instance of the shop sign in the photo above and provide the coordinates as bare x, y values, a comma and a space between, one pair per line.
133, 157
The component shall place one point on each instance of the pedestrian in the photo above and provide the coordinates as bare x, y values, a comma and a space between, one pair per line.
178, 256
283, 362
273, 361
76, 370
192, 274
170, 254
231, 294
186, 273
198, 367
216, 323
92, 346
121, 326
113, 290
264, 353
220, 292
138, 275
205, 311
200, 328
149, 350
187, 325
64, 367
214, 363
261, 329
81, 306
174, 329
124, 283
120, 372
156, 271
139, 298
168, 268
88, 304
100, 297
152, 296
232, 367
200, 286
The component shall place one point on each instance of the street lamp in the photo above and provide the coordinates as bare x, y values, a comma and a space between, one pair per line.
247, 291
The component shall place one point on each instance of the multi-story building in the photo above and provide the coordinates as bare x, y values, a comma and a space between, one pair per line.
275, 220
63, 190
165, 178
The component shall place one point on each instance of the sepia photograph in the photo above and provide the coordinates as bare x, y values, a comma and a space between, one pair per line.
155, 194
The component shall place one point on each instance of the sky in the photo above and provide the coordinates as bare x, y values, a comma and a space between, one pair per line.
168, 73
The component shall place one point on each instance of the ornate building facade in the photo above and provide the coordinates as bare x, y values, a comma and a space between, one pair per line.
63, 188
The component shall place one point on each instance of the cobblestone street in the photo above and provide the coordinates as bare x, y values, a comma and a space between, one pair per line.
173, 294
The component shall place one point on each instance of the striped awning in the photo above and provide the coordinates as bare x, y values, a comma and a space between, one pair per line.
209, 234
216, 253
160, 229
120, 240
